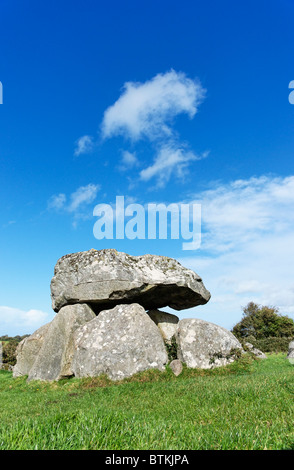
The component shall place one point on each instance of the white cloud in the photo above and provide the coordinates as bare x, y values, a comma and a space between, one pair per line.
77, 204
22, 321
146, 109
57, 201
247, 250
169, 159
83, 145
129, 160
9, 223
83, 195
246, 210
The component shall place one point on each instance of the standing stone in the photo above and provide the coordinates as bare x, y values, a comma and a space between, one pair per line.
119, 343
291, 347
290, 355
1, 357
27, 351
106, 278
55, 356
205, 345
166, 322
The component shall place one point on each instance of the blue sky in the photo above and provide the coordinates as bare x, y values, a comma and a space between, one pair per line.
160, 101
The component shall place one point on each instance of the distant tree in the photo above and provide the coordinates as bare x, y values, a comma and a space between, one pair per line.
16, 338
9, 345
9, 352
261, 322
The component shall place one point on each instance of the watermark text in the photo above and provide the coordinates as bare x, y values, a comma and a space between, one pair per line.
152, 221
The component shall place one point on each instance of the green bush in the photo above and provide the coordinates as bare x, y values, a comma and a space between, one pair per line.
272, 344
9, 345
9, 352
265, 328
171, 348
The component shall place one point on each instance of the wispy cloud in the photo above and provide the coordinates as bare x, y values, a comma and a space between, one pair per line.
146, 111
23, 321
57, 201
9, 223
83, 195
170, 159
247, 250
128, 161
77, 202
84, 144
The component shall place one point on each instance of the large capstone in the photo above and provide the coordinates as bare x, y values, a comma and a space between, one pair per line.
119, 343
107, 278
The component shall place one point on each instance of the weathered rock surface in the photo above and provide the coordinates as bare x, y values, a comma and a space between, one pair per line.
119, 342
290, 355
291, 349
166, 322
107, 278
205, 345
27, 351
54, 358
176, 366
255, 351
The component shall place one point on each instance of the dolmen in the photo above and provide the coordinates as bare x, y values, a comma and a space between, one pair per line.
108, 321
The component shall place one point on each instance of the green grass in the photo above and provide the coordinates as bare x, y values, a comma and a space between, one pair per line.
247, 405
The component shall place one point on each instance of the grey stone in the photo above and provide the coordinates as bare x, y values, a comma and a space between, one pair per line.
27, 351
106, 278
119, 343
53, 361
291, 349
255, 351
166, 322
205, 345
176, 366
290, 355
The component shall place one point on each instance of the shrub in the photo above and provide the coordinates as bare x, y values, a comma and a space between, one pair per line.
9, 345
272, 344
171, 348
265, 328
9, 352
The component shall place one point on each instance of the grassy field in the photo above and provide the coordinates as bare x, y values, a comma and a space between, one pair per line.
247, 405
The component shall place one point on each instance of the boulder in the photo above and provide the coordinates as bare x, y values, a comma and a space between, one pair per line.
204, 345
176, 366
291, 348
53, 360
290, 355
106, 278
27, 351
166, 322
119, 343
255, 351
